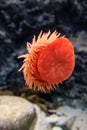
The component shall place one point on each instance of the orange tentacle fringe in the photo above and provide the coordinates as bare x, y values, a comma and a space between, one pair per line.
50, 60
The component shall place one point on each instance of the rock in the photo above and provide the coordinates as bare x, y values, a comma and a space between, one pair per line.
69, 118
61, 118
19, 114
10, 1
42, 123
52, 119
57, 128
16, 113
81, 122
6, 47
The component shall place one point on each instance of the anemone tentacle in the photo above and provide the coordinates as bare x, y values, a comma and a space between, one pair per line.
32, 65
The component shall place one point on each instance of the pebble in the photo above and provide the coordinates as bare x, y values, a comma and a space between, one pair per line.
57, 128
52, 119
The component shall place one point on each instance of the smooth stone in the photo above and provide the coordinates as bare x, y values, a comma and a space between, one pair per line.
52, 119
57, 128
42, 123
16, 113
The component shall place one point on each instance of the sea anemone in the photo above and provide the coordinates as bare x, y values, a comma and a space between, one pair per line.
50, 60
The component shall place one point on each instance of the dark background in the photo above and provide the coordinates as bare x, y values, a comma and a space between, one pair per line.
20, 20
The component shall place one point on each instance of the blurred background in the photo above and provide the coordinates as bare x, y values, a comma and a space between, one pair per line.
19, 21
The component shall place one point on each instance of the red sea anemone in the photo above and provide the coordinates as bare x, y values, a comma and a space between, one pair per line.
50, 60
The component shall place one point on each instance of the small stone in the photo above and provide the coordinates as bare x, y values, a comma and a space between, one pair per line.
16, 113
52, 119
57, 128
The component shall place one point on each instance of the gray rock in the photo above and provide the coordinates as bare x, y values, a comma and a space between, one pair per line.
10, 1
42, 123
81, 122
16, 113
63, 116
45, 2
69, 118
